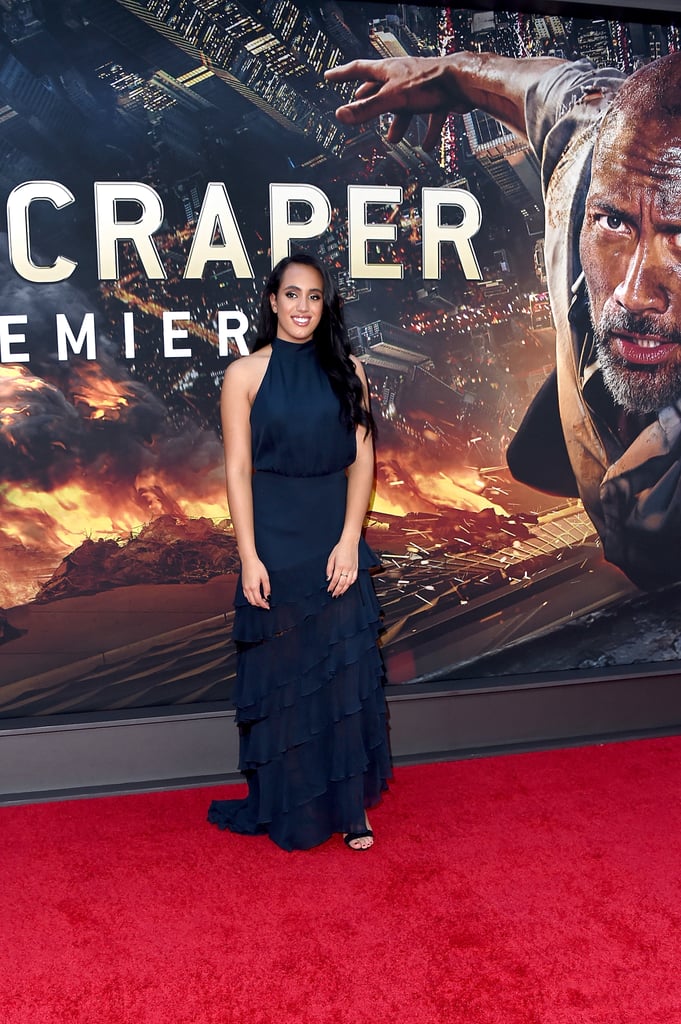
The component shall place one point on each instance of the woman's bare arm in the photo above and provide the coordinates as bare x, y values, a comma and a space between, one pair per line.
238, 388
343, 564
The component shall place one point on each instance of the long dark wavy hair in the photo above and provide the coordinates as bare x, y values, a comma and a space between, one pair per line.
330, 339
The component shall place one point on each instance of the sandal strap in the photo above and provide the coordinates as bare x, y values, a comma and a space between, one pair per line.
367, 834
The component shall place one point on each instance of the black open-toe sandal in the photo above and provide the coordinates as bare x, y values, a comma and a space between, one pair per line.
348, 838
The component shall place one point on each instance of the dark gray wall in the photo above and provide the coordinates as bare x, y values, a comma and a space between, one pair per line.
152, 751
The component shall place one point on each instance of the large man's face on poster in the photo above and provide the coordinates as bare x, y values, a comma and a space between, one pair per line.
631, 253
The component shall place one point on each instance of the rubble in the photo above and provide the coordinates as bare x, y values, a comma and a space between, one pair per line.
171, 549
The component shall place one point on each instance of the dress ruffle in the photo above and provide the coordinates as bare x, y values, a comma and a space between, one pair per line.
310, 708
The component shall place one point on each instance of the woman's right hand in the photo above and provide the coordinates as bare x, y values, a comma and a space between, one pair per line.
255, 583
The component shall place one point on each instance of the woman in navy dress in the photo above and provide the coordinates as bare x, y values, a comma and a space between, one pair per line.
298, 436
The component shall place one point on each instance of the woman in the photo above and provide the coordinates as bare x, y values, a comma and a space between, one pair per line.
298, 436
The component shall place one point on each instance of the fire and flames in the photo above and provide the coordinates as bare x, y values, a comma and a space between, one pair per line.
75, 466
98, 397
68, 478
409, 480
16, 385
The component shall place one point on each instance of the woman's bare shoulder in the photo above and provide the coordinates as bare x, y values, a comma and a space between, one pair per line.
246, 368
246, 365
246, 372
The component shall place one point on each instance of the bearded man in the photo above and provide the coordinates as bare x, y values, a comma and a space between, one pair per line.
607, 424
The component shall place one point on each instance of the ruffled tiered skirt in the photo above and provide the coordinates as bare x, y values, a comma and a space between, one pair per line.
309, 692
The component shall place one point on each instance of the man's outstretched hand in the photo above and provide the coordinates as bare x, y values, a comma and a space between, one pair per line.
438, 86
403, 86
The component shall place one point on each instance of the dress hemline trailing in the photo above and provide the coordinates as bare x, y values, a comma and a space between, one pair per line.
311, 715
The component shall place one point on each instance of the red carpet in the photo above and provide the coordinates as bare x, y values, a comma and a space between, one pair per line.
539, 888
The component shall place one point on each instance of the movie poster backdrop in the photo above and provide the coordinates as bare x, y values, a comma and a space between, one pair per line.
156, 157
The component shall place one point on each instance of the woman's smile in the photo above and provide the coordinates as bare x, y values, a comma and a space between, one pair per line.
299, 303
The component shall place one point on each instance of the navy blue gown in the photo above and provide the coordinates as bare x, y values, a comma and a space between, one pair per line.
309, 690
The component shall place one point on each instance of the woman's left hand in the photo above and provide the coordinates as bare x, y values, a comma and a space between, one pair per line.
341, 568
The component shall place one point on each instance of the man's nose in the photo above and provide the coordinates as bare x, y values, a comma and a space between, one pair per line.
642, 289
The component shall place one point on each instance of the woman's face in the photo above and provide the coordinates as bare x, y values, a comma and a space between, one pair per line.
299, 303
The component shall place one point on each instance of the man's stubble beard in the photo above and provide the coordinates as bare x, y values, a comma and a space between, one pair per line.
637, 389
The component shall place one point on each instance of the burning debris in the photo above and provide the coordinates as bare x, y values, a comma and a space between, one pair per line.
169, 550
88, 452
447, 531
426, 567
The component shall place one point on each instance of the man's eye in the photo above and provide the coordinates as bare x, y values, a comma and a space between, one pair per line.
611, 221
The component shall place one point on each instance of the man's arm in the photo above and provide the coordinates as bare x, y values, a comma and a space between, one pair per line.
438, 86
